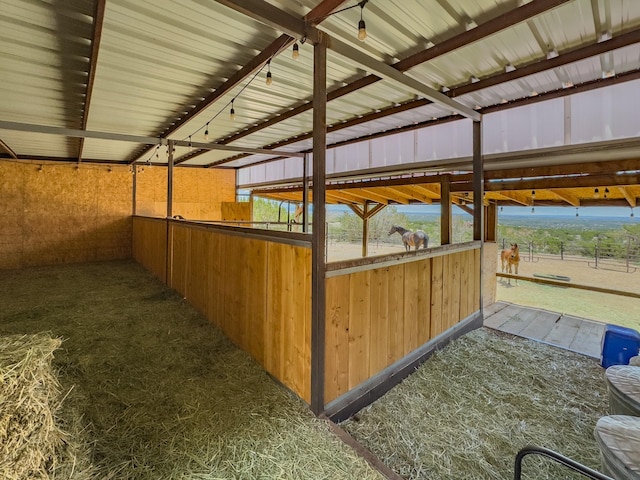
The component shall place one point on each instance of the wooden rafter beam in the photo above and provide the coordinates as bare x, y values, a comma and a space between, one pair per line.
394, 195
359, 211
413, 192
624, 179
629, 196
515, 197
8, 149
98, 21
371, 195
345, 197
567, 197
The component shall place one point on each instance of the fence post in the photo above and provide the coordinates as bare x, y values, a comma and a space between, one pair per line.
597, 250
531, 252
561, 250
503, 243
628, 251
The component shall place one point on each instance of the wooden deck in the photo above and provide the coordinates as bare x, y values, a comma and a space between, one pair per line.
564, 331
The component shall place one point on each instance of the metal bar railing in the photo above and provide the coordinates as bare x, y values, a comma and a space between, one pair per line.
556, 457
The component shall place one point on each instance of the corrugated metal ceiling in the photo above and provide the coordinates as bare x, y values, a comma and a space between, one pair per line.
158, 60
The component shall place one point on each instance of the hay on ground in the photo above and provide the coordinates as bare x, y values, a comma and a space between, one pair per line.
160, 393
467, 411
29, 399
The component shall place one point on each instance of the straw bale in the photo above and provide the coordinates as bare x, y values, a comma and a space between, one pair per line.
29, 401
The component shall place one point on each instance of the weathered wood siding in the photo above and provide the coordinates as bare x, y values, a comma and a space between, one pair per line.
150, 245
257, 291
377, 316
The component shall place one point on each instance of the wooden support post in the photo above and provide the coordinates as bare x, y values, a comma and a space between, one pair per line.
170, 181
445, 210
365, 230
305, 193
318, 242
491, 223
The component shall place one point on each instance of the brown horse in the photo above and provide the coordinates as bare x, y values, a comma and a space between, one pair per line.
510, 258
411, 239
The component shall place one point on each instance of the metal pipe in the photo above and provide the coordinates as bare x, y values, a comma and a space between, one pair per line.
556, 457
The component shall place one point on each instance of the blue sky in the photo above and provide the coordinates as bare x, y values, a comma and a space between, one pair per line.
611, 212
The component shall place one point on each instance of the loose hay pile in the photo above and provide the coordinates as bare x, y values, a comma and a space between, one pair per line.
156, 392
468, 410
30, 441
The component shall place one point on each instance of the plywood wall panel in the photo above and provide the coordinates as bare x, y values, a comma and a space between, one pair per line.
197, 193
63, 213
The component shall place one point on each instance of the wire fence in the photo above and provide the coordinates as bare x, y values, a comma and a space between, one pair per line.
619, 254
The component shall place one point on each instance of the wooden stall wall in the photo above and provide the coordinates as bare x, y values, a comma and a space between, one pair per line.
63, 213
241, 211
197, 193
150, 245
257, 291
377, 316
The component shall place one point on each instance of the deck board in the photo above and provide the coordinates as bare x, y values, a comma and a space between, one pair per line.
564, 331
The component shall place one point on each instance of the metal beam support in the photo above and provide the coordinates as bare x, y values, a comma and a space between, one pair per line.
98, 20
318, 266
170, 181
8, 149
445, 210
121, 137
280, 20
305, 194
478, 182
365, 230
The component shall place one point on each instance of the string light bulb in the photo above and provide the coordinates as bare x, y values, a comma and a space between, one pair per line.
40, 169
632, 214
269, 80
533, 209
596, 193
362, 27
533, 194
296, 51
606, 192
232, 112
577, 214
206, 133
190, 145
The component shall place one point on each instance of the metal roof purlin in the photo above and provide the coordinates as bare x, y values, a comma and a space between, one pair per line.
98, 21
254, 64
275, 17
496, 25
284, 41
8, 149
120, 137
